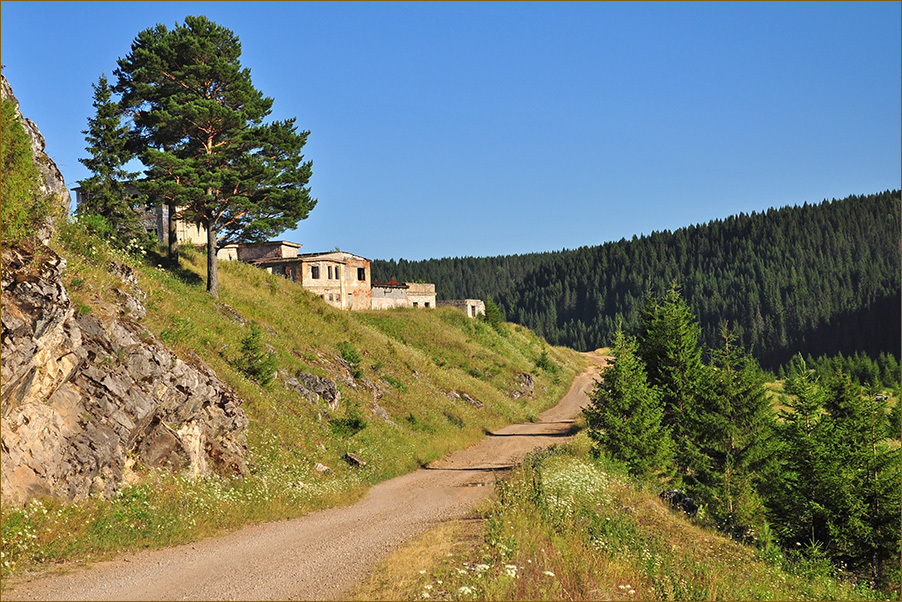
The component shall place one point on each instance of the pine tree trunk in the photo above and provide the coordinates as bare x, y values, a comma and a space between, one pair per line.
173, 237
212, 265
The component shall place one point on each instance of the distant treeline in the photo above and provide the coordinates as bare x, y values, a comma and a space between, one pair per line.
813, 279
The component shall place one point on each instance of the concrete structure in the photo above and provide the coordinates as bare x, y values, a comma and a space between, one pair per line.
273, 249
471, 307
387, 295
421, 294
156, 220
341, 279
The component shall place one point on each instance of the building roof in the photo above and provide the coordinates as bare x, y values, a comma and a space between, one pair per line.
331, 256
285, 243
336, 256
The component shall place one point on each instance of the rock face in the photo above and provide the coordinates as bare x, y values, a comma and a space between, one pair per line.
84, 398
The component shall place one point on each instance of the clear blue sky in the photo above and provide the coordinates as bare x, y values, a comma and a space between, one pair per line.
442, 130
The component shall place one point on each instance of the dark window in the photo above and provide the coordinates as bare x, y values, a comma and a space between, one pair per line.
426, 304
330, 272
361, 273
314, 272
415, 304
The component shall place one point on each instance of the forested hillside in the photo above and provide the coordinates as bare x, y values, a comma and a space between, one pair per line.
816, 279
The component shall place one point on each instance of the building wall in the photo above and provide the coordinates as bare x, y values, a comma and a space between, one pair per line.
421, 295
389, 296
185, 232
471, 307
343, 279
275, 249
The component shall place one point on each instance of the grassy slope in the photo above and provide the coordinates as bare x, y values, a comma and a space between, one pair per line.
565, 527
411, 360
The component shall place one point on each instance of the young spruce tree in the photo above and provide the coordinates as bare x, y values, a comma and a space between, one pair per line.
625, 415
105, 192
733, 431
668, 344
200, 124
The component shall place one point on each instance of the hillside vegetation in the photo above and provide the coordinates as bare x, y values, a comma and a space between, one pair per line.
565, 526
812, 279
413, 385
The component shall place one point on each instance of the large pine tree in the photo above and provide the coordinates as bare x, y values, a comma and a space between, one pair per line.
199, 123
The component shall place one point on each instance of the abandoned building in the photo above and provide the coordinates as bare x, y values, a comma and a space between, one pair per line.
155, 219
471, 307
388, 295
341, 279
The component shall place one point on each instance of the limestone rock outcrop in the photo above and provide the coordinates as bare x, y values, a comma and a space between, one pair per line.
84, 398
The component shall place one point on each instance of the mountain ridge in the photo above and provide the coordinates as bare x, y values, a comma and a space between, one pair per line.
794, 279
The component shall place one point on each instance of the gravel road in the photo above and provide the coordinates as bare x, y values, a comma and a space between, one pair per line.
320, 556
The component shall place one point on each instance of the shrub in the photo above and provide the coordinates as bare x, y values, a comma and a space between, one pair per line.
255, 363
493, 315
22, 207
350, 424
351, 355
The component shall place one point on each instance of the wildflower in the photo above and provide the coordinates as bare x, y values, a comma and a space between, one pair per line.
479, 568
465, 591
549, 573
510, 570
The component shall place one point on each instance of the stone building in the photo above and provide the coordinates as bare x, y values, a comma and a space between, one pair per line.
341, 279
273, 249
156, 219
387, 295
471, 307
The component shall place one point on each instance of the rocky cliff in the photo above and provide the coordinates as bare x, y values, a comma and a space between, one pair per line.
85, 399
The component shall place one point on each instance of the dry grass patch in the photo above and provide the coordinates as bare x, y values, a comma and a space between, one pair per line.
404, 574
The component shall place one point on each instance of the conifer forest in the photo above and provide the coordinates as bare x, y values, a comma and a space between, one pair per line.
816, 279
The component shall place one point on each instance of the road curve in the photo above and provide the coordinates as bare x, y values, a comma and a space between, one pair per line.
322, 555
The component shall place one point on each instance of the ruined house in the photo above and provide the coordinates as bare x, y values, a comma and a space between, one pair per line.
155, 219
471, 307
341, 279
388, 295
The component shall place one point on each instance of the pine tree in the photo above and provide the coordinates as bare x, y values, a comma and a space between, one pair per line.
625, 416
733, 427
668, 345
862, 500
106, 192
838, 483
200, 123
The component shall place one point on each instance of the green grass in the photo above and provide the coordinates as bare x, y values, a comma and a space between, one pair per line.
566, 527
403, 365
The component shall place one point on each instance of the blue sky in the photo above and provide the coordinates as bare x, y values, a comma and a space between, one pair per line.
476, 129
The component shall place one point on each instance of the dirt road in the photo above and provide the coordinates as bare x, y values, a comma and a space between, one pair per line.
320, 556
